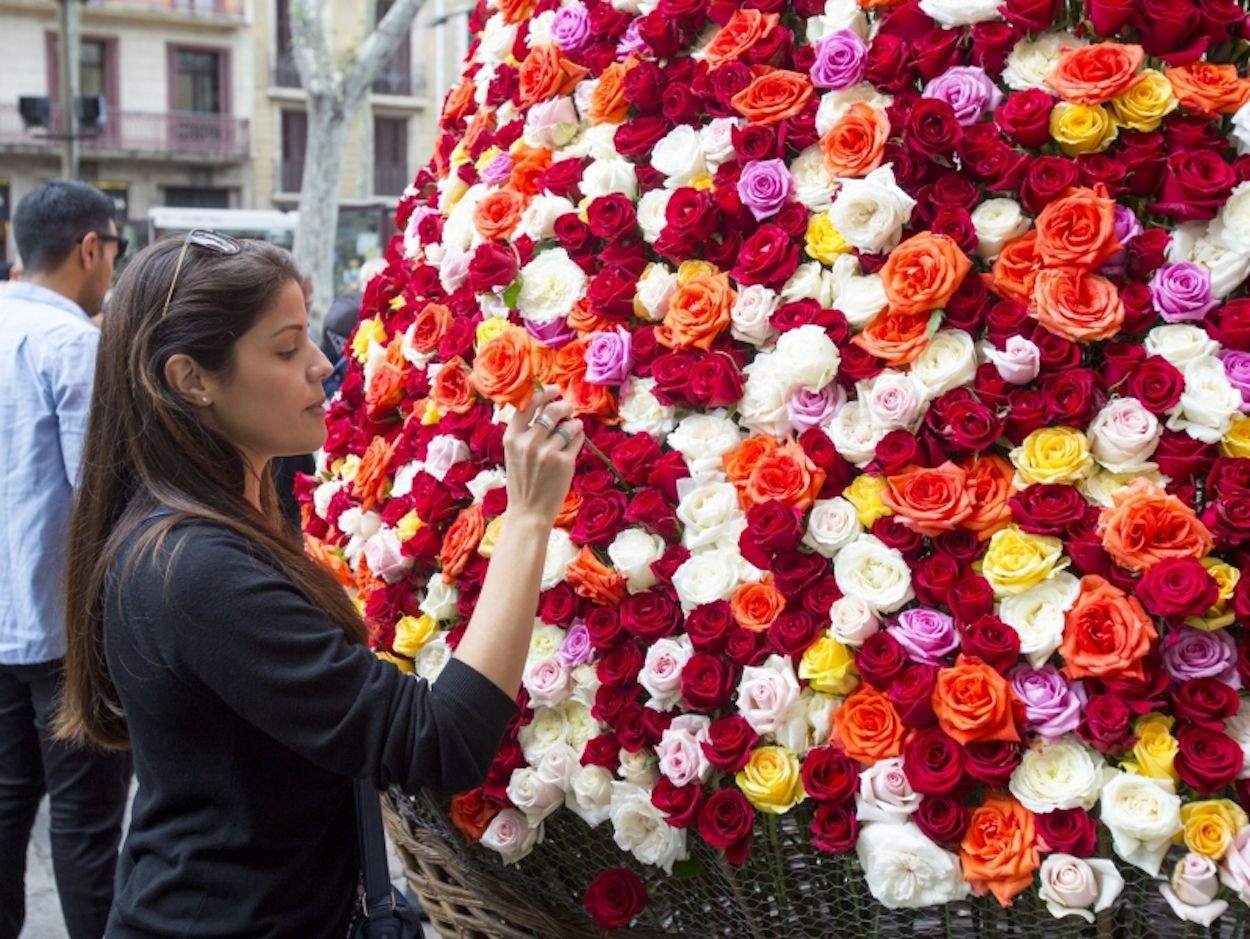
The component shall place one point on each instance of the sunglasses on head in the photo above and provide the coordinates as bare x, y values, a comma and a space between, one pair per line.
201, 238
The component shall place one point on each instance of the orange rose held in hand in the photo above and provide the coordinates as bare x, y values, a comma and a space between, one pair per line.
504, 369
755, 606
773, 97
923, 272
744, 29
1078, 306
698, 312
787, 475
868, 727
1077, 230
854, 145
999, 852
1094, 74
1146, 524
973, 702
1106, 632
929, 501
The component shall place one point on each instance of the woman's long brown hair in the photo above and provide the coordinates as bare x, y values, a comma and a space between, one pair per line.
146, 447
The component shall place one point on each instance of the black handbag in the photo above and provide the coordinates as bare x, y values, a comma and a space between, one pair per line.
381, 913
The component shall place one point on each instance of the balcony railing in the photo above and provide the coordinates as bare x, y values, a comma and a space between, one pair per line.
218, 9
391, 82
285, 73
177, 133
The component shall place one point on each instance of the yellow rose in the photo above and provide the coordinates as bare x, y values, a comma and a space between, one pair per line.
1081, 128
1146, 103
865, 494
824, 242
771, 780
1053, 455
412, 632
1219, 616
692, 268
349, 468
1211, 826
409, 525
486, 547
487, 157
703, 181
369, 331
1236, 442
1155, 749
1017, 560
829, 666
490, 328
404, 665
431, 414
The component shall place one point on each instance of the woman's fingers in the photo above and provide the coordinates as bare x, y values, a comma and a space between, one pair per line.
524, 417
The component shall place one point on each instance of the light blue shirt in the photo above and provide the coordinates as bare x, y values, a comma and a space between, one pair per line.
47, 364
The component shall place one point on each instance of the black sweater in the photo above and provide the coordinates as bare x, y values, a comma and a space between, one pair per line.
249, 714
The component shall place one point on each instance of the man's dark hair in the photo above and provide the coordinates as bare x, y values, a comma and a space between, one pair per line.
52, 219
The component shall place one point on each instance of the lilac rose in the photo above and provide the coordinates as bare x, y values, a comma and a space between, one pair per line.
1181, 292
1052, 707
840, 60
765, 186
968, 90
927, 636
609, 357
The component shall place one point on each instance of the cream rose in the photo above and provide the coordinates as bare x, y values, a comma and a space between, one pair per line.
870, 213
1058, 774
639, 828
768, 696
1123, 436
710, 512
534, 796
876, 574
1215, 248
1143, 814
832, 524
838, 14
641, 411
1180, 344
1241, 128
560, 553
440, 600
961, 12
894, 399
590, 795
852, 620
432, 658
948, 361
1071, 885
547, 728
1191, 892
884, 794
1208, 402
814, 185
651, 213
661, 671
705, 577
1031, 60
606, 176
855, 434
702, 439
752, 308
551, 285
763, 405
808, 357
1018, 362
679, 157
905, 870
538, 221
811, 281
716, 140
655, 289
638, 768
510, 836
861, 298
1037, 615
996, 222
680, 750
633, 552
834, 104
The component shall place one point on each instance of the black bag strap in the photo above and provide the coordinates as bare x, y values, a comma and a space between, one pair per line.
379, 898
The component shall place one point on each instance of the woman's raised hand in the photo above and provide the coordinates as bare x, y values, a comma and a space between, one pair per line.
541, 445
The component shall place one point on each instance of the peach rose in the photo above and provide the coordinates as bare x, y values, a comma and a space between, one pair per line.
1077, 230
999, 852
528, 163
385, 391
461, 540
773, 96
370, 483
497, 214
327, 557
503, 370
742, 459
1207, 88
868, 727
929, 501
744, 29
787, 475
607, 103
923, 272
1097, 73
545, 73
429, 327
990, 485
973, 702
1106, 632
698, 312
895, 338
1015, 268
452, 389
854, 145
1077, 305
755, 606
594, 580
1146, 524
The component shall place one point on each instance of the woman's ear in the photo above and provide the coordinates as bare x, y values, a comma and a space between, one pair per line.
187, 380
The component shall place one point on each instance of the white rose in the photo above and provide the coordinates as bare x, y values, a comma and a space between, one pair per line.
360, 526
1018, 363
432, 658
641, 411
545, 640
661, 671
702, 439
855, 434
651, 213
894, 399
832, 524
534, 796
1124, 435
510, 836
704, 578
1070, 885
752, 308
680, 750
884, 794
768, 695
814, 185
1235, 216
484, 482
948, 361
459, 232
1191, 893
679, 157
559, 765
876, 574
385, 556
905, 870
453, 269
838, 14
810, 281
1143, 814
538, 221
638, 768
560, 552
1032, 59
834, 104
1058, 774
870, 213
1241, 128
540, 28
655, 289
639, 828
498, 38
633, 552
547, 728
716, 140
997, 221
551, 285
860, 298
444, 452
440, 599
1101, 488
710, 512
606, 176
1037, 615
590, 795
852, 620
961, 12
1180, 343
1208, 402
547, 680
581, 726
808, 356
1238, 727
763, 405
585, 685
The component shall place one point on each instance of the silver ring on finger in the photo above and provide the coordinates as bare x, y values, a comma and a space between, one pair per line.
561, 432
542, 421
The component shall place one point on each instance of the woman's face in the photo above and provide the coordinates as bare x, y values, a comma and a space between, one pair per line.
271, 403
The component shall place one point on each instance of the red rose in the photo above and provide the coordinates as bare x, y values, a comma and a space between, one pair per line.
934, 578
990, 158
991, 44
709, 626
948, 189
600, 519
1067, 831
1073, 396
612, 216
636, 137
680, 804
632, 726
691, 215
558, 605
971, 598
1031, 16
894, 534
821, 451
956, 223
1028, 413
797, 571
768, 257
880, 660
609, 701
620, 664
492, 265
1178, 587
968, 306
1048, 178
715, 381
992, 761
1146, 252
829, 775
932, 129
961, 544
726, 821
911, 693
573, 234
935, 50
820, 596
707, 682
1025, 117
887, 65
858, 364
1157, 384
1106, 724
1109, 16
669, 469
614, 897
1141, 694
793, 631
746, 647
756, 142
1228, 517
932, 761
1207, 760
898, 450
1228, 475
991, 388
1101, 169
1207, 702
1196, 183
1241, 603
1144, 155
1230, 325
650, 509
729, 743
1056, 353
644, 83
1169, 31
651, 615
943, 818
835, 828
1046, 509
992, 641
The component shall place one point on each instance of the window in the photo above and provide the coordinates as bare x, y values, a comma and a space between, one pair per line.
92, 79
390, 156
285, 74
294, 138
396, 77
191, 197
198, 83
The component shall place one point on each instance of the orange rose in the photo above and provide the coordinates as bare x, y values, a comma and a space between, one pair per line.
756, 606
504, 369
546, 73
568, 510
1207, 88
459, 101
472, 812
370, 484
594, 580
1106, 632
741, 461
514, 11
581, 319
462, 538
1097, 73
855, 144
923, 272
328, 558
973, 702
744, 29
569, 372
429, 327
528, 163
1077, 305
497, 214
929, 501
867, 726
543, 361
1015, 268
772, 97
1077, 230
607, 103
452, 389
999, 852
385, 391
698, 312
990, 485
481, 123
1146, 524
787, 475
895, 338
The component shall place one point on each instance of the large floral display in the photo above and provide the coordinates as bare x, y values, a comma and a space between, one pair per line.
912, 348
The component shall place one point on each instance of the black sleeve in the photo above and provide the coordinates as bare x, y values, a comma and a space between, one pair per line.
230, 622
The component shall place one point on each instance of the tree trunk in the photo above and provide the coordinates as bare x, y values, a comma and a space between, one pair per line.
328, 121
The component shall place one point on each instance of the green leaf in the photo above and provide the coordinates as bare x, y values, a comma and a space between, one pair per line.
688, 869
512, 293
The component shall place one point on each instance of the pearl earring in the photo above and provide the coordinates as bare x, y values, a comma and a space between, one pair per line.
205, 400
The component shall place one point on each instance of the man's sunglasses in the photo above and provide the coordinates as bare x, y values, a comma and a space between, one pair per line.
122, 243
201, 238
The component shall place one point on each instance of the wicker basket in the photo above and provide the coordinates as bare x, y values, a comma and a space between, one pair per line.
468, 893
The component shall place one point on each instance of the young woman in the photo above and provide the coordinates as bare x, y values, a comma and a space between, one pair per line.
202, 637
